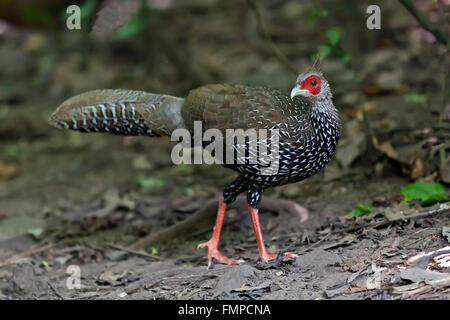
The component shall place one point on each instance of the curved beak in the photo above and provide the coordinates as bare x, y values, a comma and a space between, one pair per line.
298, 92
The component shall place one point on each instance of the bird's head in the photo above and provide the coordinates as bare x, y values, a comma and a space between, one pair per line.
312, 85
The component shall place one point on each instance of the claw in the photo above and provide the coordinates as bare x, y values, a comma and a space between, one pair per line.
290, 255
213, 243
269, 256
213, 252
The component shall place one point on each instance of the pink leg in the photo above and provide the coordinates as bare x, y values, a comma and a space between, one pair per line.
263, 253
213, 243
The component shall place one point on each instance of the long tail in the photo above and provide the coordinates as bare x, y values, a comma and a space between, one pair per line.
121, 112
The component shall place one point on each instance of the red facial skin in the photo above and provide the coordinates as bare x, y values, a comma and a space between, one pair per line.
312, 83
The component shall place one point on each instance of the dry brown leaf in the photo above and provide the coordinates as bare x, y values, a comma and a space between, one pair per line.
345, 241
417, 170
272, 224
111, 277
245, 287
350, 150
358, 111
8, 170
386, 148
397, 212
353, 145
431, 177
373, 90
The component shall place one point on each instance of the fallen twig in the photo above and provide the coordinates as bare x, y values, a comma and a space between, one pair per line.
277, 53
155, 278
314, 245
436, 209
135, 252
423, 21
55, 291
421, 288
33, 250
206, 215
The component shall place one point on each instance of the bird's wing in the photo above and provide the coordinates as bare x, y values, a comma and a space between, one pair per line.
226, 106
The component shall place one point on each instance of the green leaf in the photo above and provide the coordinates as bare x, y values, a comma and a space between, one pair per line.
150, 182
87, 10
134, 26
427, 192
333, 36
155, 252
416, 97
36, 232
361, 210
324, 51
316, 14
182, 167
12, 150
346, 58
189, 192
437, 198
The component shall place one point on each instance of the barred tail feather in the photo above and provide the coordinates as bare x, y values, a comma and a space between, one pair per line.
121, 112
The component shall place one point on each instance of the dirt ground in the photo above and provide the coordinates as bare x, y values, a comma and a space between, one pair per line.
78, 200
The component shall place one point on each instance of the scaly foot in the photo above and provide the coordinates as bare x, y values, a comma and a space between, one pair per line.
213, 252
269, 256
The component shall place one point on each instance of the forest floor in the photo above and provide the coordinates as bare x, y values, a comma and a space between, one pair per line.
68, 199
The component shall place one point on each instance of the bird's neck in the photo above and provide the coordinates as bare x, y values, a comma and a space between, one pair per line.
324, 111
326, 126
318, 112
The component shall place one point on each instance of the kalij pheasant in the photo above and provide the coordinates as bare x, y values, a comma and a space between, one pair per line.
307, 122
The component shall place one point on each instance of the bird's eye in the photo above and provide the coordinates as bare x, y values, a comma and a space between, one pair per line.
312, 83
